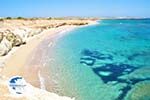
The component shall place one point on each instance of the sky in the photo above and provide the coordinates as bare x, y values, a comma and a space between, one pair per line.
83, 8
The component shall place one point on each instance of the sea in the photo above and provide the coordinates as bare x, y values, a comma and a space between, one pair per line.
106, 61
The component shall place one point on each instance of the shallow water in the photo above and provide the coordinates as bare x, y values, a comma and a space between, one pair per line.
101, 62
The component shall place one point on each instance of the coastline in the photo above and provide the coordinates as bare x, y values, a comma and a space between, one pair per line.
20, 55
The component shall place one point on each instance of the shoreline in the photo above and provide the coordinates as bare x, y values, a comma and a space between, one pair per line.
20, 54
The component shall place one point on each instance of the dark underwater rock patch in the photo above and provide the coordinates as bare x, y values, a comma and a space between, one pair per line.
133, 56
115, 72
96, 55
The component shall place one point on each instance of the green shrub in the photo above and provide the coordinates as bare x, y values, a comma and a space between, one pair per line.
8, 18
1, 19
49, 18
20, 18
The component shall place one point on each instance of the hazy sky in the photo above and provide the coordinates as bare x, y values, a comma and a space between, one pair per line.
59, 8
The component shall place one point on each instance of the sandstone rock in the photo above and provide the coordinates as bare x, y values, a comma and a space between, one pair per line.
10, 37
34, 32
1, 36
18, 41
14, 39
21, 34
5, 47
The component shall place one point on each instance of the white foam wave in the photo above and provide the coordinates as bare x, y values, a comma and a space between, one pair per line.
42, 81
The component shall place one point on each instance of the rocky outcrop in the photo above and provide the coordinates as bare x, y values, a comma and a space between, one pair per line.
8, 40
15, 40
78, 23
21, 34
5, 46
16, 32
34, 32
1, 36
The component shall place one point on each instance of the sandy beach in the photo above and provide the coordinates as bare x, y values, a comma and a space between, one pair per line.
18, 58
14, 61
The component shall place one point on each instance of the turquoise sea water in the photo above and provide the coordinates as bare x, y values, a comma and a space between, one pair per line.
107, 61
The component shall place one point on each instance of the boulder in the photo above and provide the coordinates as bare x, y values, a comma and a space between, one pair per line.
18, 41
5, 47
1, 36
34, 32
14, 39
21, 33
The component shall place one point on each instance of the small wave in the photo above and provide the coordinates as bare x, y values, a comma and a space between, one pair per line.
42, 81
